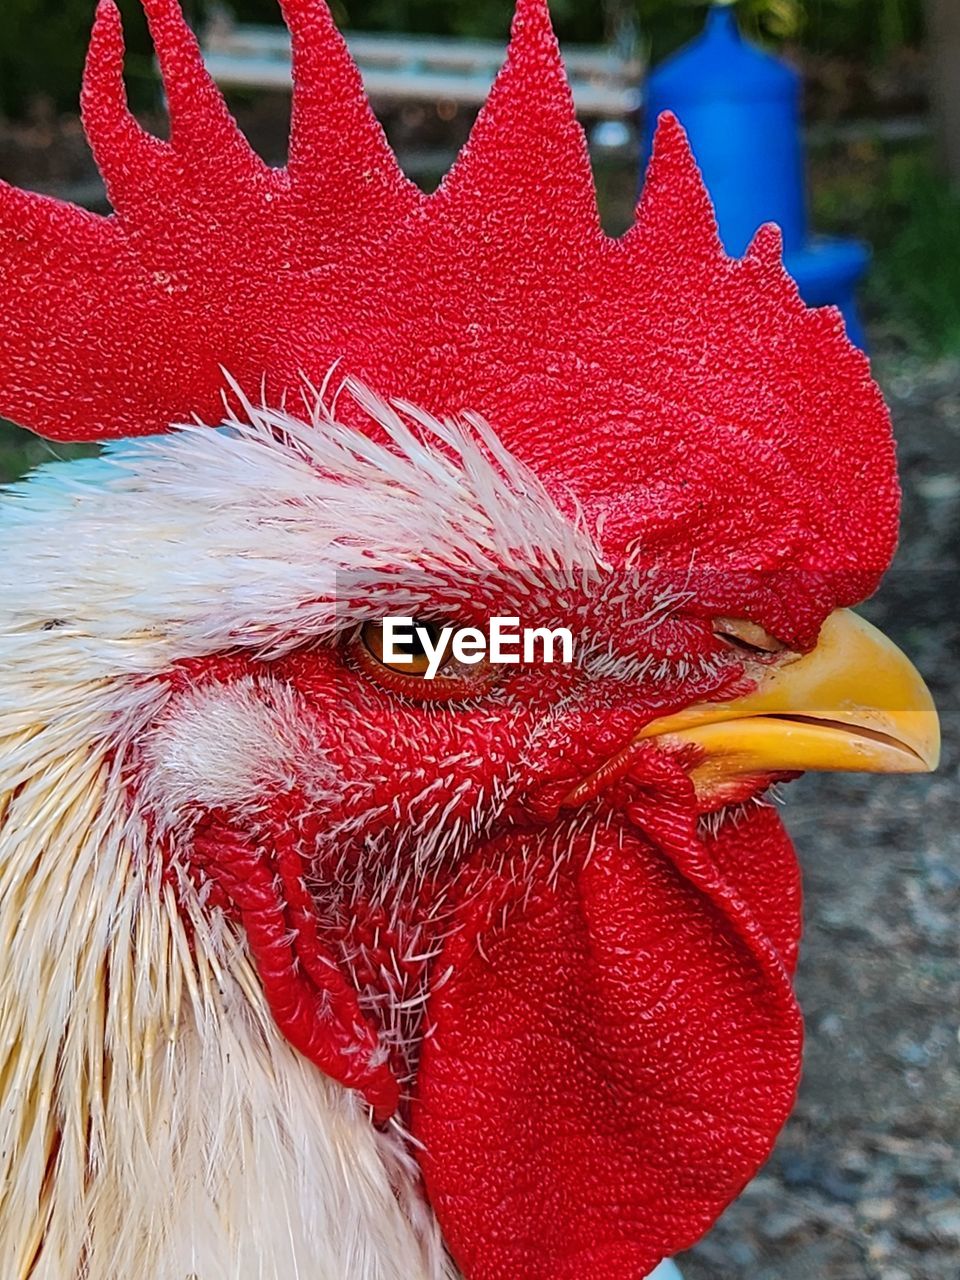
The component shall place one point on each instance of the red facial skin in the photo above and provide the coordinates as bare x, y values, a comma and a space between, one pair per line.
584, 1014
605, 990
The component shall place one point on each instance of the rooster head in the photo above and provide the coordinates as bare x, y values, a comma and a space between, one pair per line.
537, 921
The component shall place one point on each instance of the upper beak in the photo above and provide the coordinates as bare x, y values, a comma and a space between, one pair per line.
854, 703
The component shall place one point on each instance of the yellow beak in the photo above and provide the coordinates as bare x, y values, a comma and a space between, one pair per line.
854, 703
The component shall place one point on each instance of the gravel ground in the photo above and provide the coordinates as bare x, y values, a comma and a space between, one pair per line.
865, 1181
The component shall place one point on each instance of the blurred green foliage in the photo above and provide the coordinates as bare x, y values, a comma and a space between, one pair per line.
42, 41
865, 30
895, 198
861, 30
42, 46
917, 276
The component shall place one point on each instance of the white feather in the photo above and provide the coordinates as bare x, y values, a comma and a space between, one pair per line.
153, 1122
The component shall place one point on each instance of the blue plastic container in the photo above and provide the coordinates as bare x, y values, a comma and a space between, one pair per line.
742, 111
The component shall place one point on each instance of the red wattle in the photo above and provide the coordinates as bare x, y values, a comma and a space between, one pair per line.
616, 1050
312, 1002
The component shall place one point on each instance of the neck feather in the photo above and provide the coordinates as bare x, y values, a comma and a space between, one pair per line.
152, 1120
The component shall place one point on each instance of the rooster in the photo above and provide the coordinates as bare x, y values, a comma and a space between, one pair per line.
316, 967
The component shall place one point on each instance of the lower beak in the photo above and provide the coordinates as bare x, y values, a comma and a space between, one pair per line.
854, 703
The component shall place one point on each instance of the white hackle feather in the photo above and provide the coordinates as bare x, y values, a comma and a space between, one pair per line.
153, 1122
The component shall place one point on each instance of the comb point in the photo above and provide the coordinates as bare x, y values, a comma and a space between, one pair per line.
535, 50
120, 146
675, 206
531, 16
766, 247
527, 155
337, 147
199, 117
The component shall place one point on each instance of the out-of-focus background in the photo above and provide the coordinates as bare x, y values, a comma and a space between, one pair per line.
865, 1182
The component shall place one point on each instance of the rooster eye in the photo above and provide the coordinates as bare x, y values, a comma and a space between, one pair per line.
410, 645
746, 636
449, 679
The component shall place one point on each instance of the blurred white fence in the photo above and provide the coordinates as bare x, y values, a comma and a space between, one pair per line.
399, 68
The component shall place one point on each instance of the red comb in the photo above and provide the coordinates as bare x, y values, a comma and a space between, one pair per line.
121, 325
499, 294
